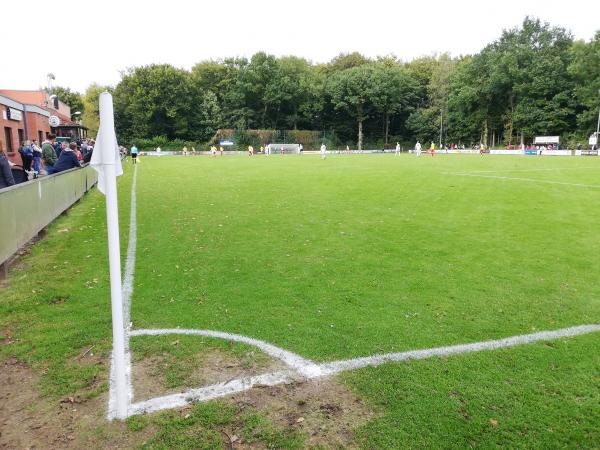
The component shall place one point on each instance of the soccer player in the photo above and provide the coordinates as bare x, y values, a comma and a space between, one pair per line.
432, 148
134, 153
185, 150
250, 150
282, 151
221, 149
481, 149
397, 148
213, 151
418, 148
348, 149
323, 150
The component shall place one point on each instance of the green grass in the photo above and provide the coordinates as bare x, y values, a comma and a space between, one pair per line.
340, 258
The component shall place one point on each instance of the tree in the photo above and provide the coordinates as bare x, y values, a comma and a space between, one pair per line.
585, 69
91, 99
210, 117
346, 61
433, 81
154, 100
391, 91
351, 91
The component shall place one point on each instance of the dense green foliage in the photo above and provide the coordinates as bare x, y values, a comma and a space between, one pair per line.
533, 80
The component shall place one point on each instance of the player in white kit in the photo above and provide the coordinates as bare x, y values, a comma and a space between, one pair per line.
418, 148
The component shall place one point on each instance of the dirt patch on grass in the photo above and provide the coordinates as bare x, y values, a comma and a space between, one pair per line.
325, 411
156, 375
30, 421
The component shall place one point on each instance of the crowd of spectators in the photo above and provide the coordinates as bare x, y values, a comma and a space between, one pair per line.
52, 157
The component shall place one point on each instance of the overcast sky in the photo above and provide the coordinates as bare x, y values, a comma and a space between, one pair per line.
92, 41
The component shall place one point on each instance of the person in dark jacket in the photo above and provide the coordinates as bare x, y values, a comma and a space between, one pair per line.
67, 159
6, 176
26, 155
57, 148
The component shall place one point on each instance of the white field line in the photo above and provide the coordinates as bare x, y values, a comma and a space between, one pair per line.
529, 180
126, 290
327, 369
525, 170
130, 261
211, 392
303, 366
350, 364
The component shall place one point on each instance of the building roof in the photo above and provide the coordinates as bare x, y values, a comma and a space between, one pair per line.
39, 98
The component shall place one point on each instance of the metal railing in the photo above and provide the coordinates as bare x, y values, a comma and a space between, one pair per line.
27, 208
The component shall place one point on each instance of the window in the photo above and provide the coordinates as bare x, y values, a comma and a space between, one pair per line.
21, 136
8, 136
40, 138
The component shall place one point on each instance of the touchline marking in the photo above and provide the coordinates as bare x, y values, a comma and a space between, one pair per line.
300, 369
131, 248
530, 180
126, 291
328, 369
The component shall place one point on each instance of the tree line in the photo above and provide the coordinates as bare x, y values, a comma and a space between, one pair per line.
534, 79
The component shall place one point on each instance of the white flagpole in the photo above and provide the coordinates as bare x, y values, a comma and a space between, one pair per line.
114, 252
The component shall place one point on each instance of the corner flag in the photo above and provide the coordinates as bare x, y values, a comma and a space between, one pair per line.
106, 150
106, 161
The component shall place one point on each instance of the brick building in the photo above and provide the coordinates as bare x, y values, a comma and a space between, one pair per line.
40, 104
20, 122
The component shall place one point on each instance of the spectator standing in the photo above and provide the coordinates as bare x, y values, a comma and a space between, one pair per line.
37, 157
58, 148
48, 153
67, 159
6, 176
88, 156
26, 155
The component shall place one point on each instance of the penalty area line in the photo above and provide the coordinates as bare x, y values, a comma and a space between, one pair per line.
529, 180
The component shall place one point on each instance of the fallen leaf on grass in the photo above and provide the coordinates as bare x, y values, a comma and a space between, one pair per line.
494, 422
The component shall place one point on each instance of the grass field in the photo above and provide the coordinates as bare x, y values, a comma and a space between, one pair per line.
351, 256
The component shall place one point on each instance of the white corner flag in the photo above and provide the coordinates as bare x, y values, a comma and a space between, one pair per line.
106, 161
106, 150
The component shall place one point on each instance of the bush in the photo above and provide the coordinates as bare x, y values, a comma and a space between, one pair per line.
150, 144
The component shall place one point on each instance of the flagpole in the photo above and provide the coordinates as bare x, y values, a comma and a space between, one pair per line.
114, 252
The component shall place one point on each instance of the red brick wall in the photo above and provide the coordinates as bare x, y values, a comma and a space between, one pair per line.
35, 124
14, 126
